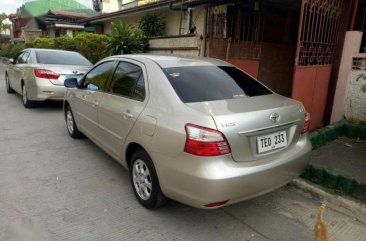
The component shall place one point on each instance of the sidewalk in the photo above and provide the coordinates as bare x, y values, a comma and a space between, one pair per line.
338, 161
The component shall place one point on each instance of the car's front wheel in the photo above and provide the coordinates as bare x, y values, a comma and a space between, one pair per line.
26, 102
72, 129
145, 181
9, 90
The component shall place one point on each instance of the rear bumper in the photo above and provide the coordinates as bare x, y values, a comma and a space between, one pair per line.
45, 90
198, 181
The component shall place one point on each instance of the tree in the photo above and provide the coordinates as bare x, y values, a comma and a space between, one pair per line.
4, 26
126, 39
152, 25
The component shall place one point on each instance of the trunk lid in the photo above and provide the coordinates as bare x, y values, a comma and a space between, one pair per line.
246, 123
65, 72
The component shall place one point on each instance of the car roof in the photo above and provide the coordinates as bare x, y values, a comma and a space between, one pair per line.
168, 61
50, 50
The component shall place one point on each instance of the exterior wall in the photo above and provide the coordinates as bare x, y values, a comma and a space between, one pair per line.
109, 6
30, 35
171, 17
355, 106
184, 45
351, 46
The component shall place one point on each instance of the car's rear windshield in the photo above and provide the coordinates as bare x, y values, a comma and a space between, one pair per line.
61, 58
209, 83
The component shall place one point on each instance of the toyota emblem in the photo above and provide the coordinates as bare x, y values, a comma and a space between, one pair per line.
74, 71
274, 117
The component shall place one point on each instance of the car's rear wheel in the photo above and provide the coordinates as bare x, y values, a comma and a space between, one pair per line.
145, 181
26, 102
72, 129
9, 90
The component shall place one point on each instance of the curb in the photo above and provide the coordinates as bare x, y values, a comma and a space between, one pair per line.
318, 191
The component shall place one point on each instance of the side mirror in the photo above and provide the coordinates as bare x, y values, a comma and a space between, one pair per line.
11, 61
71, 83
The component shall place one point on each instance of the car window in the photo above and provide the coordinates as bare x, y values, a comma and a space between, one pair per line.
209, 83
128, 81
61, 58
98, 77
24, 58
18, 58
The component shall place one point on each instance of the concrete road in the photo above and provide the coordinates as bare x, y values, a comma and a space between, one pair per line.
55, 188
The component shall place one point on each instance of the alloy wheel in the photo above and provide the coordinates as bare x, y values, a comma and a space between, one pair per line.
70, 122
142, 179
24, 95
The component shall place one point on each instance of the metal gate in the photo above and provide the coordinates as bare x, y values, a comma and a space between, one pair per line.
319, 31
236, 36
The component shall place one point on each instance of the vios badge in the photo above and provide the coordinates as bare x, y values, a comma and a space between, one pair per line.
274, 117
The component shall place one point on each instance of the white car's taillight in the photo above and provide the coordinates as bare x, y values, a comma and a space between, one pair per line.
46, 74
202, 141
306, 125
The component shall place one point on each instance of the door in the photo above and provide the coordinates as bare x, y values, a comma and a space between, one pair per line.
122, 104
317, 41
235, 35
89, 96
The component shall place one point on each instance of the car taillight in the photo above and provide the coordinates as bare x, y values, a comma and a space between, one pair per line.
202, 141
45, 73
306, 125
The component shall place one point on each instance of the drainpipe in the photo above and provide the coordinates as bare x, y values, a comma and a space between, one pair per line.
355, 7
204, 34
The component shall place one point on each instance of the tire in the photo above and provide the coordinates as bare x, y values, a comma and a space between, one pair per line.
9, 90
71, 126
26, 102
144, 180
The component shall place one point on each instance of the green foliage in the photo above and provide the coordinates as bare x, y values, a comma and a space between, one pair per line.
11, 50
152, 25
126, 39
92, 46
42, 43
66, 43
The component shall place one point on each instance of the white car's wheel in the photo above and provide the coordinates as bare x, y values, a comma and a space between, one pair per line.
8, 87
26, 102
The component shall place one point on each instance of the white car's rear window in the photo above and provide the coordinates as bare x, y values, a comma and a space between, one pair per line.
61, 58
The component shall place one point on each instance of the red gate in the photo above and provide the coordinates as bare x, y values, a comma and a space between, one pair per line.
236, 37
317, 40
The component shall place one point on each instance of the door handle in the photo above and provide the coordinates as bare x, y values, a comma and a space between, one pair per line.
95, 103
127, 115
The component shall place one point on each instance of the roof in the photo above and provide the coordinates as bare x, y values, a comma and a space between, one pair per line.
37, 8
63, 13
169, 61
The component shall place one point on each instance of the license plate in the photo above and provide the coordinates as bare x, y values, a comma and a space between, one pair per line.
272, 141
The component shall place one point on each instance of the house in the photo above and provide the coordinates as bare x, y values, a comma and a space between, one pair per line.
108, 6
293, 46
48, 18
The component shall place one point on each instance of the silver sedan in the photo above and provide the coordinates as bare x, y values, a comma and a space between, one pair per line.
39, 74
196, 130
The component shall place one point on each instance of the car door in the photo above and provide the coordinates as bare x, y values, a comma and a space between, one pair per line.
88, 97
14, 72
20, 69
122, 104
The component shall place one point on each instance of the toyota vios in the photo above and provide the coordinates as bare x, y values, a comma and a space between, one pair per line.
196, 130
